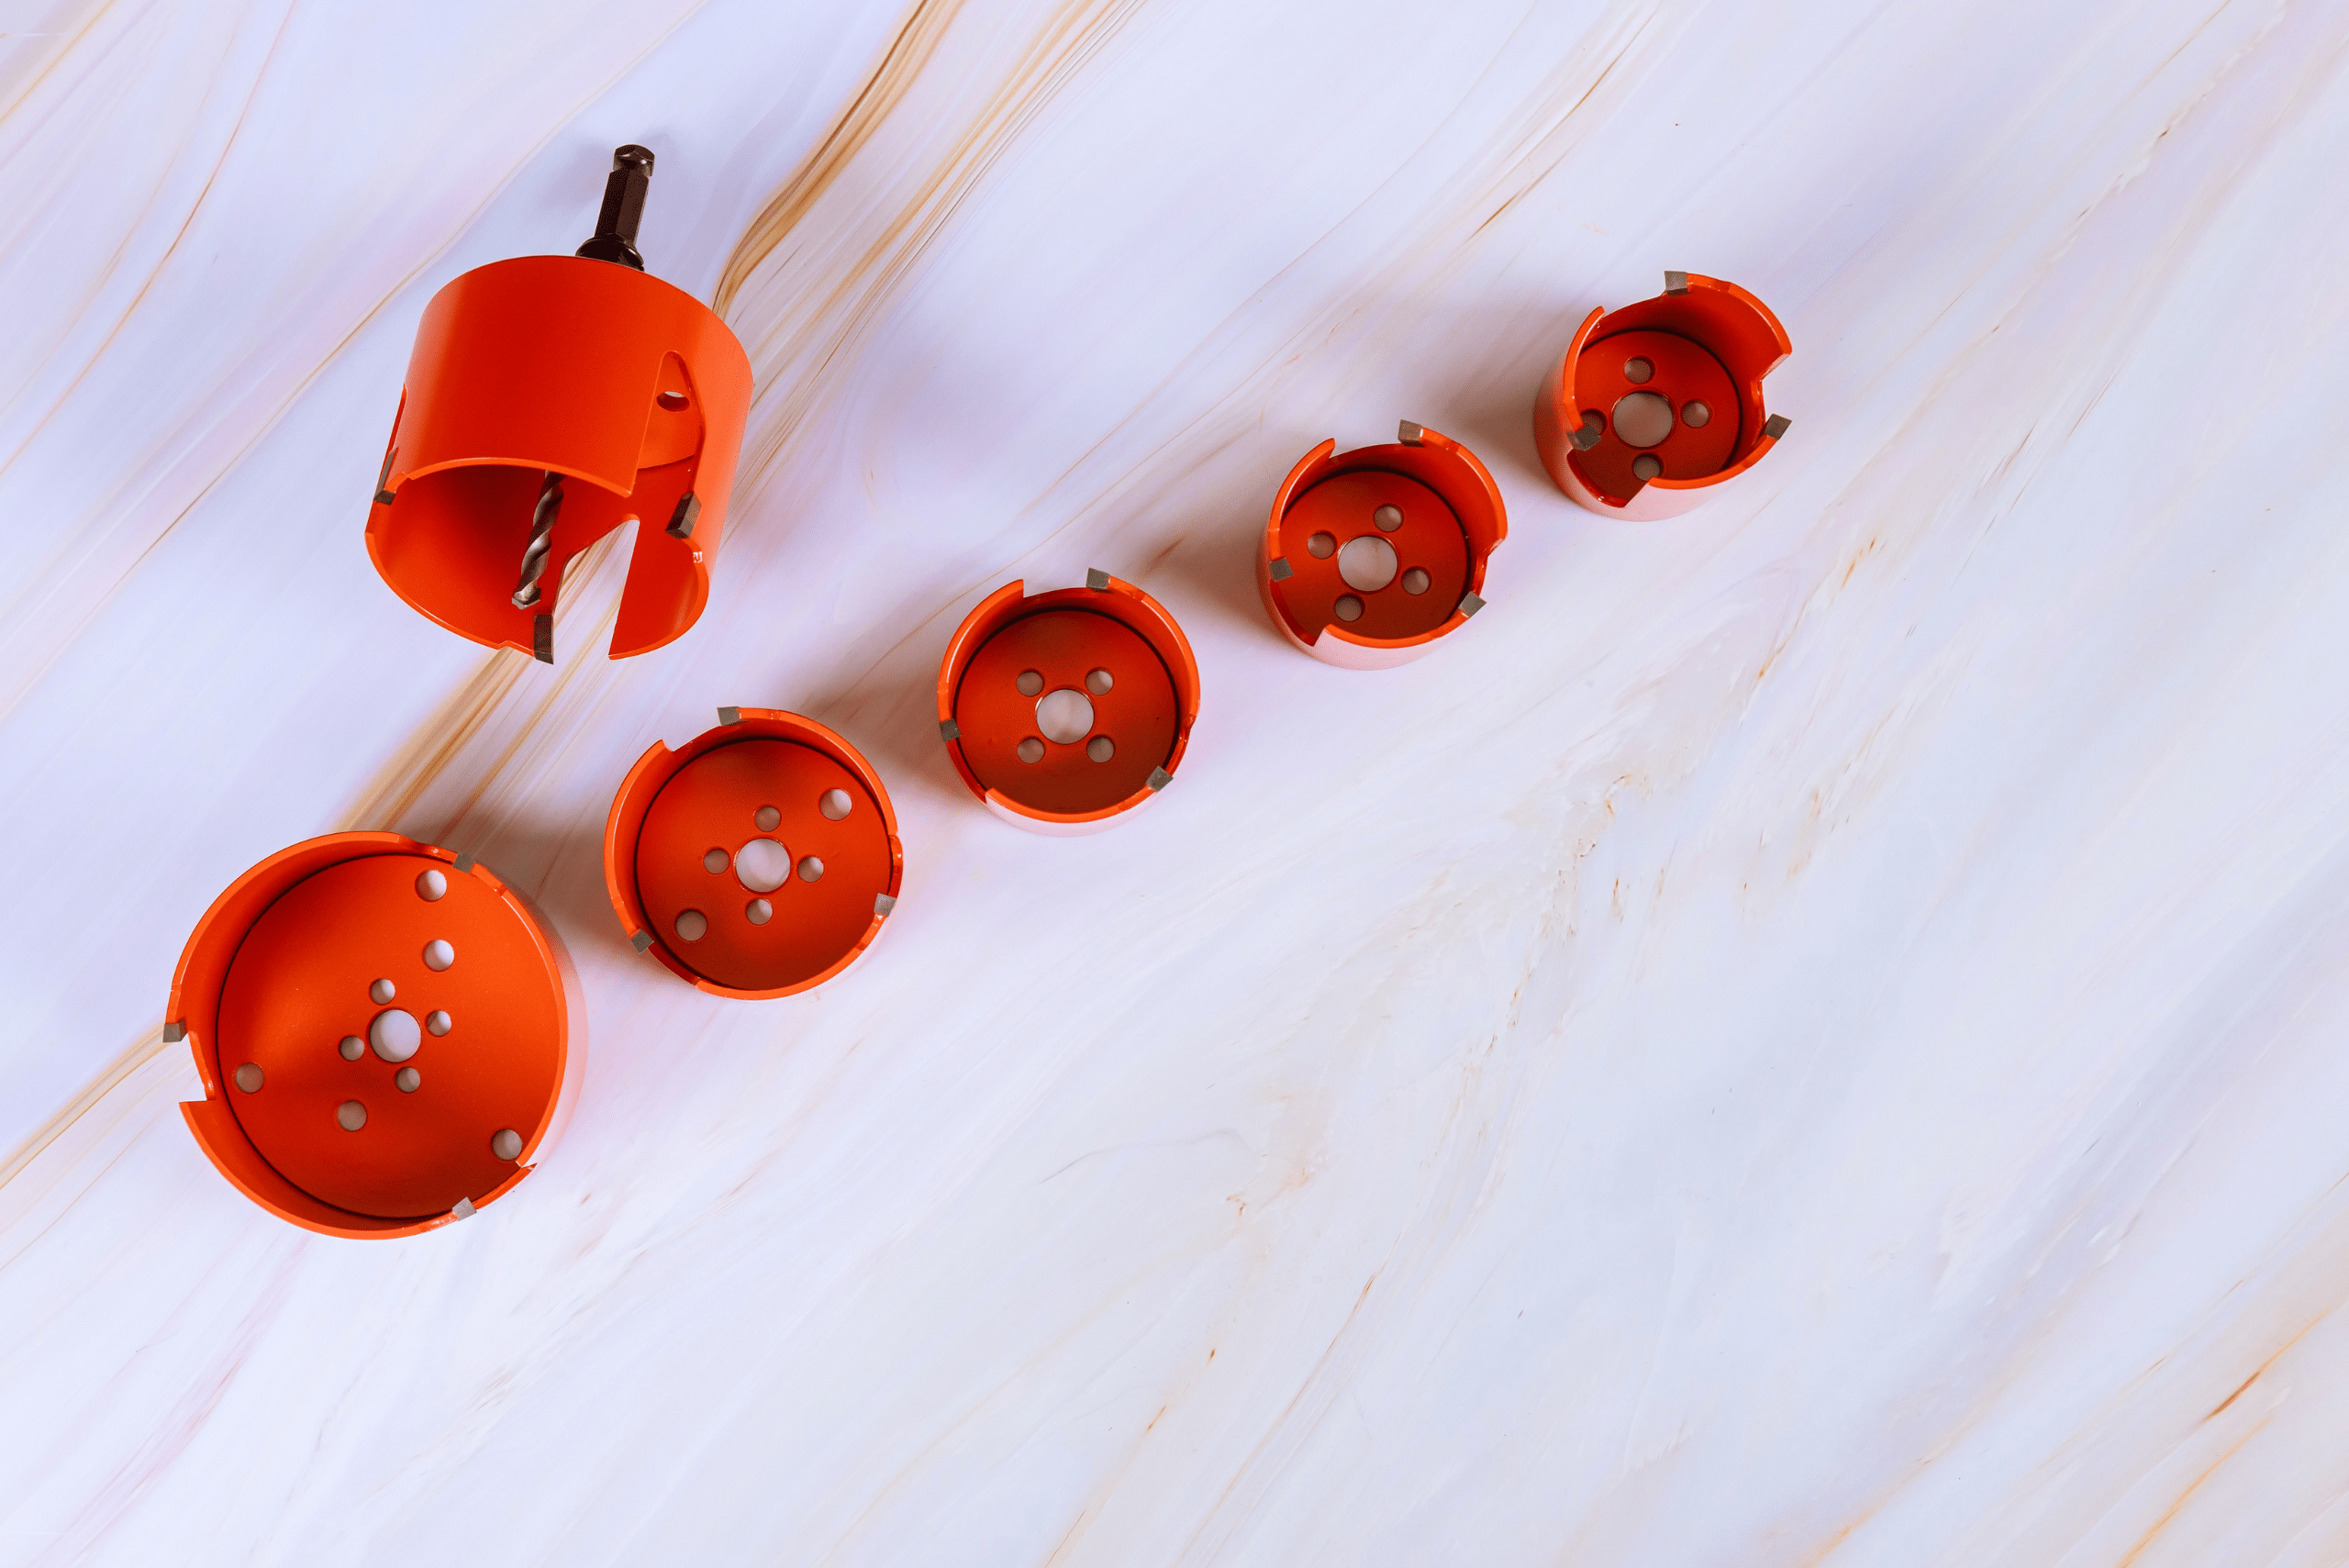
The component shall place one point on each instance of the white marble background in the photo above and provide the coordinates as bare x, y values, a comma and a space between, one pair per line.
1809, 1034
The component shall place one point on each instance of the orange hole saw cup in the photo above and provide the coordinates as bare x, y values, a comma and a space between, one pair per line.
388, 1037
1655, 407
566, 385
1066, 711
758, 860
550, 400
1371, 557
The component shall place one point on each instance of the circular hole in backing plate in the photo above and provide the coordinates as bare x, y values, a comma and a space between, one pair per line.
352, 1048
394, 1034
762, 865
249, 1078
1322, 546
1638, 370
1389, 518
767, 818
507, 1144
1348, 607
1642, 418
835, 804
1099, 682
438, 955
1647, 466
1696, 415
758, 911
437, 1022
382, 991
1368, 563
408, 1079
692, 926
1416, 580
810, 869
432, 885
350, 1115
1065, 716
1030, 749
715, 860
1031, 682
672, 401
1100, 747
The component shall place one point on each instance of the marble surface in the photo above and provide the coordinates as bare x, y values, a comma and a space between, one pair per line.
1808, 1034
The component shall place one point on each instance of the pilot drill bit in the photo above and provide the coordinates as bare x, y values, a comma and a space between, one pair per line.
613, 240
534, 554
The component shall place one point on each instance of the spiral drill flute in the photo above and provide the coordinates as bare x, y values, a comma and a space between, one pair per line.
534, 554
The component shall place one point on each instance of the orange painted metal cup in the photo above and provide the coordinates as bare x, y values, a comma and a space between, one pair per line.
1066, 711
1370, 558
624, 394
1655, 407
388, 1037
758, 860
